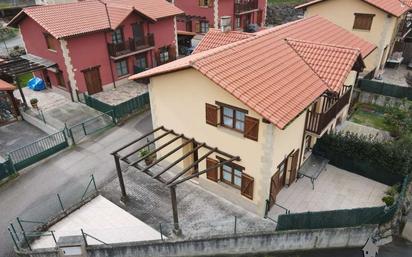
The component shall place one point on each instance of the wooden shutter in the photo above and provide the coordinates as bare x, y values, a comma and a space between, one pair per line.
212, 174
247, 186
251, 128
197, 26
212, 115
363, 21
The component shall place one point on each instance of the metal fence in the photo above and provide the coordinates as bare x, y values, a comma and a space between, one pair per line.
120, 111
38, 150
386, 89
91, 126
6, 169
343, 218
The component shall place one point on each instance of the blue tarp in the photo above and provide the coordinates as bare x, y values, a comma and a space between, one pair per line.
36, 84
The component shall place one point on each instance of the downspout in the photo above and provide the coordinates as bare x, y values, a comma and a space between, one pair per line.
107, 46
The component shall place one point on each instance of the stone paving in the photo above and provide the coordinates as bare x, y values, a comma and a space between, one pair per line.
334, 189
201, 213
396, 76
48, 99
121, 93
359, 129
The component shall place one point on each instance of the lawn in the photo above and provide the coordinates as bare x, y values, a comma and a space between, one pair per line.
25, 78
370, 115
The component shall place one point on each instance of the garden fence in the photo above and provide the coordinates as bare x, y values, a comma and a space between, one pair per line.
386, 89
343, 218
6, 169
121, 110
38, 150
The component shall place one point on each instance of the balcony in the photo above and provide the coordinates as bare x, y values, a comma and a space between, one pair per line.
242, 6
317, 122
131, 46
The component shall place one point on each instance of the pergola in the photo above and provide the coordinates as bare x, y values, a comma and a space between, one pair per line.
10, 70
178, 178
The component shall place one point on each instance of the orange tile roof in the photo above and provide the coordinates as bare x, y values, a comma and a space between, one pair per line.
215, 38
332, 63
71, 19
394, 7
267, 73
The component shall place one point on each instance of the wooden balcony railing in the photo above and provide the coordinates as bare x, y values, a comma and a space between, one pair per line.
245, 5
317, 122
131, 45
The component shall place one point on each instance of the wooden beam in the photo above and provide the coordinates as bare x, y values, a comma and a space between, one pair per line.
236, 158
178, 160
120, 176
191, 166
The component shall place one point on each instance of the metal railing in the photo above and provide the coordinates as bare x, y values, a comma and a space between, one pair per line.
131, 45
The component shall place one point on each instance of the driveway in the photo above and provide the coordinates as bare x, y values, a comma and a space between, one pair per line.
32, 195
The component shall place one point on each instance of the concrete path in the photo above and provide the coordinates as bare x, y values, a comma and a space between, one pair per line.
33, 194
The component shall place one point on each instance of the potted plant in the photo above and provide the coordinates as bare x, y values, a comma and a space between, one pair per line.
34, 102
149, 157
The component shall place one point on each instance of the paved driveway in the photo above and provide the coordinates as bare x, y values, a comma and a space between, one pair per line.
33, 194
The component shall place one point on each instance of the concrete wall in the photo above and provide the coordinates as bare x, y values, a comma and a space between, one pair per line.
341, 12
240, 244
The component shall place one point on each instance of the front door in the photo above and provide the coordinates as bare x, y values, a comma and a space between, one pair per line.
277, 182
93, 81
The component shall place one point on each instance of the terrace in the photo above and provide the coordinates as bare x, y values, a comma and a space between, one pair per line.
131, 46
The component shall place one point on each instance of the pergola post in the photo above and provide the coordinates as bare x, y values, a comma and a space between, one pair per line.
176, 228
17, 82
120, 176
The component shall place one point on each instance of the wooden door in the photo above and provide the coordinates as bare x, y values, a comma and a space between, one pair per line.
93, 81
294, 168
277, 182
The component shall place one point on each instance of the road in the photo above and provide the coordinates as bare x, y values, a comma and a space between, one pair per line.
32, 196
10, 43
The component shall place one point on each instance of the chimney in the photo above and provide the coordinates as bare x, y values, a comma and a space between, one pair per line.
225, 23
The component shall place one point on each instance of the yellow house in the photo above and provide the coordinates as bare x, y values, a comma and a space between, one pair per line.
265, 97
381, 22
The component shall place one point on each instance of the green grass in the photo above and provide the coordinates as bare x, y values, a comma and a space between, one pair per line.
370, 115
25, 78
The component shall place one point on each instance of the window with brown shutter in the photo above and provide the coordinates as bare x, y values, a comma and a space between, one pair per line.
50, 42
213, 173
197, 26
251, 128
212, 114
247, 186
363, 21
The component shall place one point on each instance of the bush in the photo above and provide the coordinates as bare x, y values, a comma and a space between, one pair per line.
386, 162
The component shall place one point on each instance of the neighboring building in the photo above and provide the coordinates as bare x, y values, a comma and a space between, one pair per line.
264, 96
384, 23
200, 15
98, 45
44, 2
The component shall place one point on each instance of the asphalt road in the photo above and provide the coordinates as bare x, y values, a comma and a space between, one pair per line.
32, 196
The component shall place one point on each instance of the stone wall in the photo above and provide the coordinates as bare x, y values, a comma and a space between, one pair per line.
380, 100
282, 13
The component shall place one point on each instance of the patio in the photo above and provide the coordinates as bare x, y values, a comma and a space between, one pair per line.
396, 75
334, 189
121, 93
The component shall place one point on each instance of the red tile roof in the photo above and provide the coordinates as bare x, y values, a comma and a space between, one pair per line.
216, 38
394, 7
332, 63
64, 20
267, 73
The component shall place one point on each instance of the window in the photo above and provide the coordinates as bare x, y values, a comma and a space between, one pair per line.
233, 118
121, 68
205, 3
141, 61
231, 174
204, 26
164, 55
363, 21
117, 36
50, 42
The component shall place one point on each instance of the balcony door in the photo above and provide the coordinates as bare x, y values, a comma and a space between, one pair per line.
138, 31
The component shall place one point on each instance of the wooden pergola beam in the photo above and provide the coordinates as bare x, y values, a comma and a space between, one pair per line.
137, 140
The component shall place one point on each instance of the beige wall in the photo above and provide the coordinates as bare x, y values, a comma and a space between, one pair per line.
178, 102
341, 12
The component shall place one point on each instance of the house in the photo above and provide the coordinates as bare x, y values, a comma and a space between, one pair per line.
384, 23
44, 2
265, 97
97, 44
200, 15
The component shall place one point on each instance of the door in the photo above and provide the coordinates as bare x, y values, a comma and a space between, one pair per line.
294, 168
93, 81
138, 31
277, 182
47, 79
